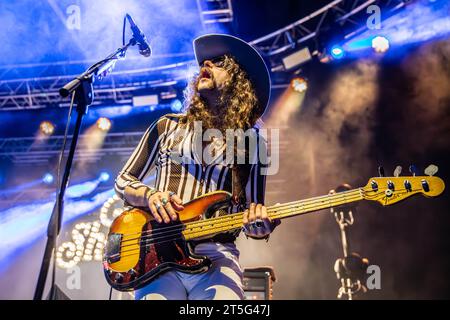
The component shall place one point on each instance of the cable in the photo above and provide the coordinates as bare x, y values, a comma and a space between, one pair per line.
63, 148
58, 188
123, 30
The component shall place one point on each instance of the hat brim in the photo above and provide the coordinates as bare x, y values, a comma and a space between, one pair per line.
211, 46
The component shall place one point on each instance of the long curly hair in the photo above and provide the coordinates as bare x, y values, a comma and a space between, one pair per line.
237, 102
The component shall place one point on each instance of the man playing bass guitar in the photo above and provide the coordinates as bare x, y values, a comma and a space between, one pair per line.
231, 91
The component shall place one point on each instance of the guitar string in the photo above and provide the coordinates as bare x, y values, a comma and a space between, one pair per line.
271, 208
223, 218
274, 207
225, 224
149, 243
227, 219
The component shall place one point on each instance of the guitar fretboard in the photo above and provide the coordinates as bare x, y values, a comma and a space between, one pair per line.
233, 221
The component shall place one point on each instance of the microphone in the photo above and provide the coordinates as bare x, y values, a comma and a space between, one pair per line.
138, 35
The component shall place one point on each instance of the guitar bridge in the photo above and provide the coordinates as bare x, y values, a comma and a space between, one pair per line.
112, 250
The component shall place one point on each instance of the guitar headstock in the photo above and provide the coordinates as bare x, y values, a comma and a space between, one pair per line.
390, 190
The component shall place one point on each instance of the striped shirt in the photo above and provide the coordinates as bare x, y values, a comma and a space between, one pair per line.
168, 147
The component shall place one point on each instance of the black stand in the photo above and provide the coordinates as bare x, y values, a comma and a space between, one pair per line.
351, 269
84, 96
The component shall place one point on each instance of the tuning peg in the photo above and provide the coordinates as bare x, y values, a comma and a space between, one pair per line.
381, 171
431, 170
397, 171
413, 170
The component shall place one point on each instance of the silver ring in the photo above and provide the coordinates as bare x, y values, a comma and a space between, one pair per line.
258, 223
157, 206
171, 193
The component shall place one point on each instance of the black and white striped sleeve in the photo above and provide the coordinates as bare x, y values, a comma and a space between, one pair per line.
141, 161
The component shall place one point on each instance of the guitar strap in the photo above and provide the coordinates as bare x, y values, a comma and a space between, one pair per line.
240, 174
239, 178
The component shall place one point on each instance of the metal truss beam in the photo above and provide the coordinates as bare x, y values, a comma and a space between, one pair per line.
342, 13
118, 88
29, 150
215, 11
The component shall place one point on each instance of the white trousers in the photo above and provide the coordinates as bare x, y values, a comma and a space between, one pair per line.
223, 281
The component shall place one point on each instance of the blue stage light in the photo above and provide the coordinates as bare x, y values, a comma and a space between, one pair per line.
48, 178
104, 176
337, 52
176, 105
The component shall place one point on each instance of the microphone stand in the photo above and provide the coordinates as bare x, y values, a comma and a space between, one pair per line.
351, 269
83, 92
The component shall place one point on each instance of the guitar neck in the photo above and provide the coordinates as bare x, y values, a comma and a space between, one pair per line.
230, 222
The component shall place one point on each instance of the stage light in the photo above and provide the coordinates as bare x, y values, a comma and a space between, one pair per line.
380, 44
297, 58
176, 105
104, 176
145, 100
299, 84
337, 52
104, 124
110, 211
88, 243
47, 128
48, 178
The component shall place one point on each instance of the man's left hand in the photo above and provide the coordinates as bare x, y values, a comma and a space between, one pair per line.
257, 223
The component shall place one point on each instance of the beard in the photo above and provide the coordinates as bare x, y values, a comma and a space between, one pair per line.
213, 97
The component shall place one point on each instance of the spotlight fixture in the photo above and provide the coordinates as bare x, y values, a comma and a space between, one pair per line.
337, 52
104, 124
145, 100
299, 84
47, 128
297, 58
48, 178
380, 44
104, 176
176, 105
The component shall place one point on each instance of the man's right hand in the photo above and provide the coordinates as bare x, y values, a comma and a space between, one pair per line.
163, 205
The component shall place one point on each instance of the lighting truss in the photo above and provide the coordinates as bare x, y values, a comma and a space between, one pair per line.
215, 11
26, 151
40, 92
342, 14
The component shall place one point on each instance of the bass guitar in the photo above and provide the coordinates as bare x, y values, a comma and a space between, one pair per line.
139, 249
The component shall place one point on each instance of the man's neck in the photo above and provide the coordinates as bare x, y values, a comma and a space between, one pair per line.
212, 100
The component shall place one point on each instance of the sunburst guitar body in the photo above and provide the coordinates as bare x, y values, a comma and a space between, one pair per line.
139, 248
